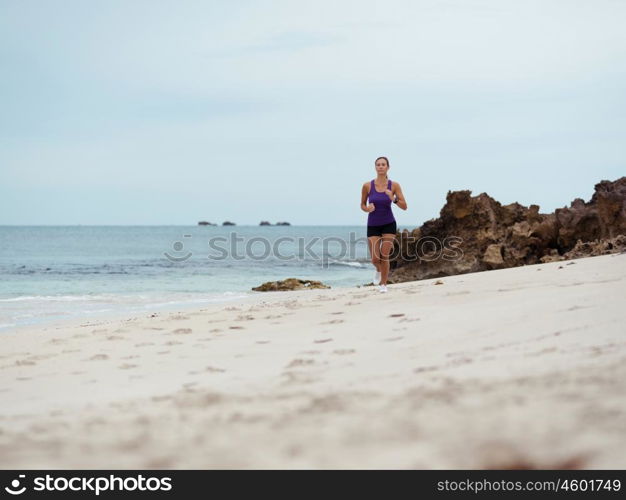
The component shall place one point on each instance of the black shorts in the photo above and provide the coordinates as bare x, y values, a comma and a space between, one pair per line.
389, 228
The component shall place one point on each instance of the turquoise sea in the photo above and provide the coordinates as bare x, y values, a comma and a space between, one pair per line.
57, 272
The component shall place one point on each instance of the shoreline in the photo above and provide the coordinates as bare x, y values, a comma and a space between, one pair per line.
522, 365
253, 296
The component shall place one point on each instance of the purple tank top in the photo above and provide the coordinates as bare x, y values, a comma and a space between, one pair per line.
382, 214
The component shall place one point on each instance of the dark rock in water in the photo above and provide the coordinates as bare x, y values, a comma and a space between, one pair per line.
283, 224
264, 223
289, 284
205, 223
477, 233
228, 223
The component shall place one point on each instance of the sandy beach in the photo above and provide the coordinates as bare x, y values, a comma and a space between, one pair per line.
520, 367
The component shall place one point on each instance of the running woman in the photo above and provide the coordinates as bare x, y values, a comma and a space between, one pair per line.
381, 224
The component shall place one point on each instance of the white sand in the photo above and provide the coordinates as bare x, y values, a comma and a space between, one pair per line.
518, 367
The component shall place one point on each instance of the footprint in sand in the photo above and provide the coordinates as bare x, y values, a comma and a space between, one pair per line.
576, 307
115, 337
22, 378
332, 322
351, 303
42, 356
161, 398
460, 361
163, 352
126, 366
244, 317
132, 356
421, 369
407, 320
235, 327
297, 378
143, 344
542, 352
262, 341
98, 357
396, 315
322, 341
310, 352
173, 342
213, 369
300, 362
392, 339
324, 299
24, 362
179, 317
344, 351
338, 312
273, 316
182, 331
80, 336
214, 330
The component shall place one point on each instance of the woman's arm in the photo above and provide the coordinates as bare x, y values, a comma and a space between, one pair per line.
364, 192
397, 190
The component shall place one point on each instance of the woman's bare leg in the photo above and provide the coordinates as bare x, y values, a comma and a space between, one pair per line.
374, 249
385, 252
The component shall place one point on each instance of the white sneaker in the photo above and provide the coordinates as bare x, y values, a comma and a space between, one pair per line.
377, 277
382, 288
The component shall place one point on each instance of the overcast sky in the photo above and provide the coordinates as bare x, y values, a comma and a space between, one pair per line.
170, 112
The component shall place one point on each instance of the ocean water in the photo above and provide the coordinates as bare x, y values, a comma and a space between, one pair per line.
57, 272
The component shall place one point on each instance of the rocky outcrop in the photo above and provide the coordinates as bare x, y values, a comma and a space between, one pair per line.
228, 223
477, 233
264, 223
205, 223
289, 284
283, 223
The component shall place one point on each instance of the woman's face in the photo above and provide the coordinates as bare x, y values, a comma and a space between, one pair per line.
381, 166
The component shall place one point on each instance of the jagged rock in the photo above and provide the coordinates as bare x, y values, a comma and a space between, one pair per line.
477, 233
604, 217
597, 247
289, 284
228, 223
283, 224
264, 223
493, 256
553, 256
